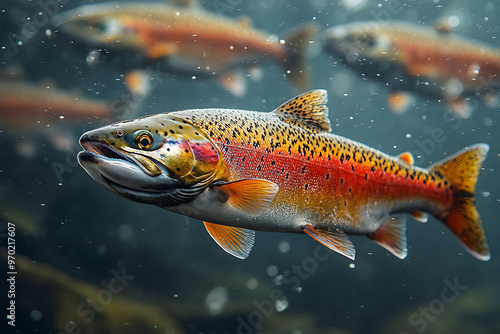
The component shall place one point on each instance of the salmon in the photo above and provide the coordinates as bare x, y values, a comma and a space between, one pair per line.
415, 58
24, 104
283, 171
186, 40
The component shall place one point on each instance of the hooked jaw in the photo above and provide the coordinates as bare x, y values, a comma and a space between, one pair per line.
121, 173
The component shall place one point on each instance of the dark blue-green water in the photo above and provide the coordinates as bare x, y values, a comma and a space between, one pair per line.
88, 261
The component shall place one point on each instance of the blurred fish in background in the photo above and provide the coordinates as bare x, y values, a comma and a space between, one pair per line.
415, 58
41, 108
187, 40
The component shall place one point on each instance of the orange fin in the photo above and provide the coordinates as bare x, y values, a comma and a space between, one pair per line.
391, 235
407, 157
235, 82
252, 196
307, 110
420, 216
461, 170
334, 239
400, 102
161, 50
234, 240
443, 26
138, 82
460, 107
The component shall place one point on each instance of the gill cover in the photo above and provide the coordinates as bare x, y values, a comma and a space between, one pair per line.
187, 155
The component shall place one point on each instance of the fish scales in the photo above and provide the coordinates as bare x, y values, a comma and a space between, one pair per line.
242, 171
315, 167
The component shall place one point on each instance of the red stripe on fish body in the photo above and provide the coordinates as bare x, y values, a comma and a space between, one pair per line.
319, 173
241, 171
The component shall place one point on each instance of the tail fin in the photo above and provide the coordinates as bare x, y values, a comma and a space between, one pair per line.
462, 171
295, 55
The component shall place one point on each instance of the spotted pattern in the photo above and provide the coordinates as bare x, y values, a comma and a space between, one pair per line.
329, 175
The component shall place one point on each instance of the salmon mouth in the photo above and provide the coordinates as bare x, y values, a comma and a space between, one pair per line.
126, 177
93, 148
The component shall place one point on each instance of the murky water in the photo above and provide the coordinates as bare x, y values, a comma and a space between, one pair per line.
87, 261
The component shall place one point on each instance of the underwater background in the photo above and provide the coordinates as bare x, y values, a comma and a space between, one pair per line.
88, 261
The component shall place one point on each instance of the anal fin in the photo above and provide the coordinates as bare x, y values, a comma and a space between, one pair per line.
392, 236
334, 239
234, 240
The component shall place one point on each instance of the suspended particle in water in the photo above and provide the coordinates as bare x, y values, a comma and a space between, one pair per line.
272, 270
252, 284
216, 299
284, 247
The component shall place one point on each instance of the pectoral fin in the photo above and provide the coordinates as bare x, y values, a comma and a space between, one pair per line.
420, 216
252, 196
161, 50
391, 235
235, 82
400, 102
234, 240
334, 239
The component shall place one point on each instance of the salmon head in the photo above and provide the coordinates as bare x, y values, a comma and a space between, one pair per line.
361, 43
162, 160
98, 25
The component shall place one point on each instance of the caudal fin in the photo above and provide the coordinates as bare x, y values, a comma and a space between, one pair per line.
462, 171
295, 55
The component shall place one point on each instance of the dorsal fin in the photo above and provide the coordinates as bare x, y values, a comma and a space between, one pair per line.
245, 21
184, 3
443, 26
307, 110
407, 157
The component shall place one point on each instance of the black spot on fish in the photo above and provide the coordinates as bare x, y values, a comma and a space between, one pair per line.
172, 131
327, 176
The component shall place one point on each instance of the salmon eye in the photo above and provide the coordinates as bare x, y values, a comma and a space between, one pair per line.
143, 139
